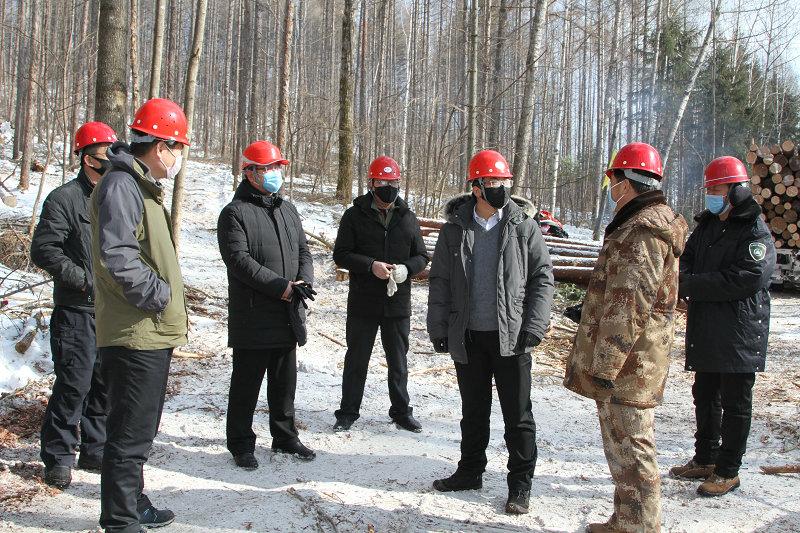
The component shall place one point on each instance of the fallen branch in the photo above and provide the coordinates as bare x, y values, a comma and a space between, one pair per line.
25, 288
322, 240
333, 339
190, 355
782, 469
313, 505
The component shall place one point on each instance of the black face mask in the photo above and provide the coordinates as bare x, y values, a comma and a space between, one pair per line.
105, 165
387, 193
496, 196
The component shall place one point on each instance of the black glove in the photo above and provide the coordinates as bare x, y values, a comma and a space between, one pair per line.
603, 383
440, 345
526, 342
573, 312
304, 292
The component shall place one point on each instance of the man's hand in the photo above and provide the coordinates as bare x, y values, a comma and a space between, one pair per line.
526, 342
605, 384
440, 345
382, 270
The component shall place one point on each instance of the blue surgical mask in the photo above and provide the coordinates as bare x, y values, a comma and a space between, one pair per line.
272, 180
611, 202
715, 203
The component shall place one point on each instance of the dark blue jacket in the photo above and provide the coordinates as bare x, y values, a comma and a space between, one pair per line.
725, 273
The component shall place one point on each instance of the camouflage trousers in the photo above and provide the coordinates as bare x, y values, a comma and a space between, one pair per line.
630, 450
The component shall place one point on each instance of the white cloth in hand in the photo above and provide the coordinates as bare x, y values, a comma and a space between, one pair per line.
398, 275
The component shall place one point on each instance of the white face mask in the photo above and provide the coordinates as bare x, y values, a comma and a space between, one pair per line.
176, 167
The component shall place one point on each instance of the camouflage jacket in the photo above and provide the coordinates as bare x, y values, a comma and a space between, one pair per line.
626, 329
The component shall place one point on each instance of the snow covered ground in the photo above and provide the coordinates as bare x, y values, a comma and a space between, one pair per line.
376, 477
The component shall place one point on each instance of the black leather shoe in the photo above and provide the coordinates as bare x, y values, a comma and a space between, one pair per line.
518, 501
58, 476
92, 464
409, 423
246, 460
342, 424
296, 448
458, 482
153, 518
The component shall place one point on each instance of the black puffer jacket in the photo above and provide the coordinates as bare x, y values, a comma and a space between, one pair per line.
362, 239
262, 243
62, 243
725, 272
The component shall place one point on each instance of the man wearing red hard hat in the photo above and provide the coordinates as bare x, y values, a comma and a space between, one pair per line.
140, 305
491, 289
725, 275
621, 353
61, 245
380, 243
270, 276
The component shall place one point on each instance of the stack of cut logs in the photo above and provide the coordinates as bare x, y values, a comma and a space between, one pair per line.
573, 260
775, 182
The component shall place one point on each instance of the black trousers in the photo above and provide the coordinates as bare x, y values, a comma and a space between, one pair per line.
361, 333
723, 405
249, 367
76, 412
137, 382
512, 376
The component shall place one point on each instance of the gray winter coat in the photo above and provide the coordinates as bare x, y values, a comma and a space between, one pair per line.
524, 283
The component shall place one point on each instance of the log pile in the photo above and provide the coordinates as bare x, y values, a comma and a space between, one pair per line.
775, 183
573, 260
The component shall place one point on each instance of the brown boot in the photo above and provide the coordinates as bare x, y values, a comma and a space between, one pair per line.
691, 470
717, 486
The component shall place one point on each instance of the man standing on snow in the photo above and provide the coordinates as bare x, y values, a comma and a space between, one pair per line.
270, 273
725, 274
491, 289
140, 305
620, 357
62, 246
380, 243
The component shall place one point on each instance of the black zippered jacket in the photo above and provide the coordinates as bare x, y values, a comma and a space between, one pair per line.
363, 239
62, 243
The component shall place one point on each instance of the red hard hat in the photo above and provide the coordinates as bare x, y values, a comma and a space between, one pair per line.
488, 164
162, 119
637, 156
93, 133
546, 217
262, 153
384, 168
725, 169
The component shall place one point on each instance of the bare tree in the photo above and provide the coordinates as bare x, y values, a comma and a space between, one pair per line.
158, 49
27, 137
188, 105
344, 183
111, 87
285, 76
698, 64
522, 143
134, 54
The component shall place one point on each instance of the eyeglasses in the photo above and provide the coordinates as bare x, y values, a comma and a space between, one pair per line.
384, 183
262, 169
492, 183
